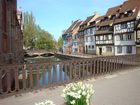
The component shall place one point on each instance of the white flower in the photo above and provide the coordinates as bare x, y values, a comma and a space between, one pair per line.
78, 90
83, 93
47, 102
72, 102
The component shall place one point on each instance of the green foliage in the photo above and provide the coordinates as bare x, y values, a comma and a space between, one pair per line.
60, 42
34, 36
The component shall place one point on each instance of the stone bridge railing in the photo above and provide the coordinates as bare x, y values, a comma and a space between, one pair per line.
25, 77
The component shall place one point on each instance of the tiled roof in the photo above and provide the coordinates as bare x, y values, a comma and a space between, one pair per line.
133, 5
70, 28
99, 18
129, 5
74, 25
87, 20
112, 11
124, 19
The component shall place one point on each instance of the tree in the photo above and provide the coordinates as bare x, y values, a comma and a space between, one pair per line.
34, 36
29, 31
60, 42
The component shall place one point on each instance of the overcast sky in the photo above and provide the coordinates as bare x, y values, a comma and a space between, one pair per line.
56, 15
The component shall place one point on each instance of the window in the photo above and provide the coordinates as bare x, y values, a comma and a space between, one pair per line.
138, 34
86, 39
110, 37
129, 49
91, 31
130, 13
123, 26
109, 49
92, 46
101, 37
97, 37
85, 32
119, 49
120, 37
91, 38
129, 37
106, 37
89, 46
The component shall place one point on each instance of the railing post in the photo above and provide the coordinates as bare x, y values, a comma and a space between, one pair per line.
1, 90
95, 66
16, 78
79, 70
37, 75
65, 68
31, 76
60, 73
9, 78
109, 64
24, 76
106, 65
44, 75
101, 66
91, 67
103, 63
55, 73
71, 71
83, 71
98, 66
49, 75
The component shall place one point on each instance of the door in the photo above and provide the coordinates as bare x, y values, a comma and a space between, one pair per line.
100, 51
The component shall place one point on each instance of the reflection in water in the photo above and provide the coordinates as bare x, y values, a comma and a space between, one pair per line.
48, 76
55, 76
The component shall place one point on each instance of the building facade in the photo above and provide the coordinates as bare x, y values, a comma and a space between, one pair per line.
89, 38
104, 36
137, 38
86, 36
124, 27
115, 33
11, 36
70, 45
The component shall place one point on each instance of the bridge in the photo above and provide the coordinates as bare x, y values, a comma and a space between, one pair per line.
35, 53
119, 88
25, 77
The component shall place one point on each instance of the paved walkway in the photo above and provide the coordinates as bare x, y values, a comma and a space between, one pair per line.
121, 88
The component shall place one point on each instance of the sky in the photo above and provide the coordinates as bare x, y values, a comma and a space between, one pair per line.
55, 16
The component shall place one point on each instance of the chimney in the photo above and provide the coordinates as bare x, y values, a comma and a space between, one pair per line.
72, 22
96, 13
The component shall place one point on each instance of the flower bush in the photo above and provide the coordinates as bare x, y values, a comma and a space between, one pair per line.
78, 93
47, 102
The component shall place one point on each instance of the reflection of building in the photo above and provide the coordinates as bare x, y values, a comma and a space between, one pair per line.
70, 44
11, 38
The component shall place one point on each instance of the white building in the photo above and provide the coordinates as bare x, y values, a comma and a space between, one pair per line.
89, 32
124, 38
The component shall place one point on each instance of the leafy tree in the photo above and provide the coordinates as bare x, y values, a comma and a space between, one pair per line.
60, 42
34, 36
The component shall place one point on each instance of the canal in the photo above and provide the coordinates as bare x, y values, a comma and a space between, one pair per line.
47, 75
